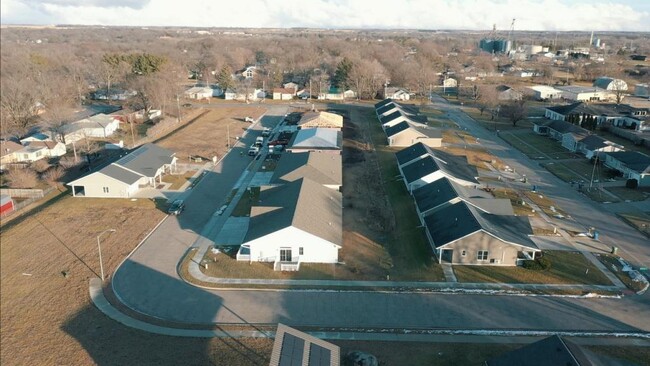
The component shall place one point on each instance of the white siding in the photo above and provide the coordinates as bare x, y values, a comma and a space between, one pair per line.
100, 185
315, 249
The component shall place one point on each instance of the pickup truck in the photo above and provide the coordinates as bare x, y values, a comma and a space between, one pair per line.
253, 150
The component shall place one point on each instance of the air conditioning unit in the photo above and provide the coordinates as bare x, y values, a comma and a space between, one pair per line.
495, 261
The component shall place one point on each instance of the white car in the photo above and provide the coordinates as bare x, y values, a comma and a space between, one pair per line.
253, 150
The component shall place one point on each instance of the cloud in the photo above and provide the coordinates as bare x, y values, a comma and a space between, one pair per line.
622, 15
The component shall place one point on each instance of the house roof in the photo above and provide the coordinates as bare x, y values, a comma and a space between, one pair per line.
146, 159
460, 219
565, 127
427, 131
577, 89
9, 147
386, 107
303, 204
452, 166
553, 351
316, 138
43, 144
284, 90
289, 349
324, 118
603, 82
99, 121
634, 160
383, 102
600, 109
39, 136
396, 129
392, 90
390, 117
119, 173
414, 151
198, 89
444, 190
321, 168
595, 142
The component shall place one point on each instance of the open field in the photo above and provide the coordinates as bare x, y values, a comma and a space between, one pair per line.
535, 146
566, 267
499, 123
207, 136
476, 156
177, 180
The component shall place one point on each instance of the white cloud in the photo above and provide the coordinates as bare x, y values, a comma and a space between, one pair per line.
419, 14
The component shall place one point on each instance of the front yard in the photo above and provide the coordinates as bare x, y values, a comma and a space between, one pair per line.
566, 268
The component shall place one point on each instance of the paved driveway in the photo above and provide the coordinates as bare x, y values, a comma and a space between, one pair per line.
148, 282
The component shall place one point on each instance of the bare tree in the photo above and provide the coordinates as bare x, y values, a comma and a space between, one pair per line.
53, 176
515, 111
22, 178
18, 105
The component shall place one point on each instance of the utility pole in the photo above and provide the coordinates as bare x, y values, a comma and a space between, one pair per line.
309, 89
178, 105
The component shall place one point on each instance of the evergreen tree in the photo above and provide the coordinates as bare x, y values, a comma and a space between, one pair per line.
343, 69
224, 78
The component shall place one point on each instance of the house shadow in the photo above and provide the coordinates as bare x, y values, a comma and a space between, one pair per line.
173, 304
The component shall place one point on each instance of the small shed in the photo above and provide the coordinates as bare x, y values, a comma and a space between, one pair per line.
6, 204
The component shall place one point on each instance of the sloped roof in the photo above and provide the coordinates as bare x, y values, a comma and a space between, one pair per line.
317, 138
383, 102
427, 131
451, 165
604, 82
599, 109
594, 142
119, 173
321, 168
461, 219
566, 127
390, 117
9, 147
146, 159
303, 204
553, 351
634, 160
444, 190
321, 118
394, 130
386, 107
409, 153
284, 90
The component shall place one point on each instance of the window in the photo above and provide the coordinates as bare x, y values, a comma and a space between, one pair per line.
285, 254
482, 255
301, 251
105, 189
463, 253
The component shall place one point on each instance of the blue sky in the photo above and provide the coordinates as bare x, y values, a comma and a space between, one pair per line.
598, 15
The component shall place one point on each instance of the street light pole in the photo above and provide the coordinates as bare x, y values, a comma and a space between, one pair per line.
99, 248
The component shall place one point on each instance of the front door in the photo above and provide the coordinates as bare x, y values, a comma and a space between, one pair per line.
285, 254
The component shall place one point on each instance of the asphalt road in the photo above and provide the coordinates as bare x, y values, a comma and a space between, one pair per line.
148, 282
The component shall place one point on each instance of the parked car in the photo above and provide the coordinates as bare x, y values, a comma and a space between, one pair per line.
259, 141
266, 132
253, 150
187, 105
249, 119
176, 207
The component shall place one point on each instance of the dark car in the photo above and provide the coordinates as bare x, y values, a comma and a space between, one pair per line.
176, 207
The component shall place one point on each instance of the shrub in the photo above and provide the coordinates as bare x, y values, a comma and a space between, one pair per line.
40, 166
22, 178
539, 264
53, 175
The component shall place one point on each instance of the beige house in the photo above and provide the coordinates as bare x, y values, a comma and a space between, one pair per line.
283, 93
143, 167
326, 140
325, 169
407, 134
321, 120
460, 233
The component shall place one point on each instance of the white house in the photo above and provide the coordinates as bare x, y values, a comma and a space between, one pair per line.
283, 93
396, 93
248, 72
543, 92
199, 93
97, 126
297, 222
35, 147
608, 83
585, 93
142, 167
632, 164
592, 145
449, 83
291, 85
230, 94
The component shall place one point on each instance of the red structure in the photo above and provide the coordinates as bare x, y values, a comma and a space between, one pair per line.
6, 204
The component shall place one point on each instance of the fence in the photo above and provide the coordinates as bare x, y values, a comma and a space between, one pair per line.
32, 196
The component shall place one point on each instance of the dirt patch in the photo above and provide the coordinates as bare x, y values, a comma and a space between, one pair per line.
208, 135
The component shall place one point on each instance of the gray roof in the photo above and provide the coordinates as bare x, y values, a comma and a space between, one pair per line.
319, 167
146, 159
634, 160
565, 127
398, 128
443, 190
119, 173
594, 142
386, 107
303, 204
383, 103
317, 138
429, 132
390, 117
461, 219
599, 109
553, 351
452, 165
414, 151
290, 345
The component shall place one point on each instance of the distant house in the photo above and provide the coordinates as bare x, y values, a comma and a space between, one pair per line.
568, 134
283, 93
247, 72
592, 145
199, 93
297, 222
631, 164
396, 93
97, 126
449, 83
407, 133
608, 83
553, 351
321, 120
295, 348
586, 94
230, 94
642, 90
316, 139
112, 94
291, 86
325, 169
8, 154
33, 148
613, 113
543, 92
420, 165
505, 92
142, 167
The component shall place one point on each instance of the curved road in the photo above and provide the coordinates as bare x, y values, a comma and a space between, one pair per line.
148, 282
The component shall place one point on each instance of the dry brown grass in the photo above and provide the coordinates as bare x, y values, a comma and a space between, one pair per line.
177, 180
476, 156
48, 319
206, 137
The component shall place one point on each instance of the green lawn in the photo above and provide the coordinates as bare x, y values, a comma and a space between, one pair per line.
247, 200
562, 172
624, 193
566, 268
518, 144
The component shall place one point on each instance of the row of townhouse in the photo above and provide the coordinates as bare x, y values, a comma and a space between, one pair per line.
404, 126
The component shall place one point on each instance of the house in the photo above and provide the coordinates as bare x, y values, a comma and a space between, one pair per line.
585, 93
396, 93
303, 94
283, 93
407, 134
6, 204
32, 149
553, 351
293, 347
230, 94
608, 83
383, 103
8, 153
247, 72
112, 94
316, 139
592, 145
97, 126
199, 93
444, 192
543, 92
631, 164
614, 113
449, 83
38, 136
642, 90
142, 167
568, 134
321, 120
393, 119
291, 86
337, 94
460, 233
297, 222
431, 165
505, 92
325, 169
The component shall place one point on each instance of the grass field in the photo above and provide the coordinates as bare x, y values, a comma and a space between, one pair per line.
566, 267
638, 194
177, 180
535, 146
206, 137
476, 156
544, 203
